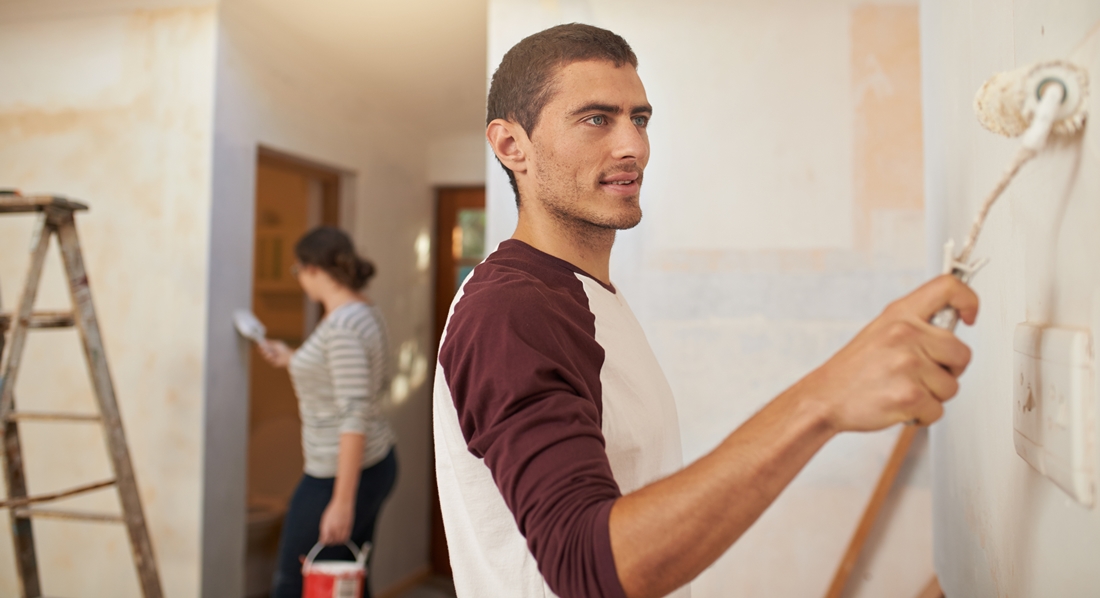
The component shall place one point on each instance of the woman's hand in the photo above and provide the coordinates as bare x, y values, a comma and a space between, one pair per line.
276, 353
336, 523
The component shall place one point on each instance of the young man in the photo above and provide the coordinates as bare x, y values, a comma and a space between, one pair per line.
557, 445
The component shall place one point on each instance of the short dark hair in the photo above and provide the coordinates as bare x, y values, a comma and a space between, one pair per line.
524, 82
331, 250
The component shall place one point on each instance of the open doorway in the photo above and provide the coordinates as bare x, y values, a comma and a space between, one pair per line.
291, 198
460, 245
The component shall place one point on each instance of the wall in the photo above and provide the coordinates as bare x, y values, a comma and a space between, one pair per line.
113, 105
1001, 529
457, 160
784, 209
275, 89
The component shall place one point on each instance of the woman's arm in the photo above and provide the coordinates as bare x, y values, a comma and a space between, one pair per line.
351, 380
339, 515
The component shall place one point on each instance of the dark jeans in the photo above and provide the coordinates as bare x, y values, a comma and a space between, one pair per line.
302, 526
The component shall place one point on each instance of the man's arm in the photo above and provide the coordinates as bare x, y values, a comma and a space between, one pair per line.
899, 368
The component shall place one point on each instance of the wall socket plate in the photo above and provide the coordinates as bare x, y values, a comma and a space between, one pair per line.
1053, 406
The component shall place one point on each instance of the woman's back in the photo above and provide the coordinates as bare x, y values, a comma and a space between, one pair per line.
341, 375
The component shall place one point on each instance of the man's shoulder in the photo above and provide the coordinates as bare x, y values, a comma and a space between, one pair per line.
513, 304
518, 280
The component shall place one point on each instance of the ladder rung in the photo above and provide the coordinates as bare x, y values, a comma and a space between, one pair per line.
28, 500
47, 416
43, 319
27, 513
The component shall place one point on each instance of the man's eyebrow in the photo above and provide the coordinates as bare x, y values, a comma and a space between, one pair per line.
609, 109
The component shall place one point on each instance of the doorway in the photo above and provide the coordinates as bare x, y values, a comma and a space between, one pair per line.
291, 198
460, 245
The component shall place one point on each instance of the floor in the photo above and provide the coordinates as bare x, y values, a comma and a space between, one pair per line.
436, 587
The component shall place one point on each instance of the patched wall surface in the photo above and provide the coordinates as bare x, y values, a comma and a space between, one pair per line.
115, 110
1001, 527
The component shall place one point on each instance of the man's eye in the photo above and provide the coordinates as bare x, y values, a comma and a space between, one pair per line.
598, 120
641, 121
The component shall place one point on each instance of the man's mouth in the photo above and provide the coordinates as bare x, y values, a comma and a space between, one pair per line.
627, 181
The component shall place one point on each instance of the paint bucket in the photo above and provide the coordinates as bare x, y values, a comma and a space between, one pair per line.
335, 579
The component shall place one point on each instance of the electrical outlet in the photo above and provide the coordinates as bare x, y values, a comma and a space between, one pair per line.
1053, 406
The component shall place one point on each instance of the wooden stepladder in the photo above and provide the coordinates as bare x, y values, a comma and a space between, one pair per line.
56, 218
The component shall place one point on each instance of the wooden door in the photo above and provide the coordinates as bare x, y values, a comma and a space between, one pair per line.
290, 199
460, 245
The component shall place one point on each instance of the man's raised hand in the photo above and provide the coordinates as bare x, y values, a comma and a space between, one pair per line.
899, 368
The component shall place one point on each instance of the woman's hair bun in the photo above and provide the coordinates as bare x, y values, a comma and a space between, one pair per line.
364, 271
331, 250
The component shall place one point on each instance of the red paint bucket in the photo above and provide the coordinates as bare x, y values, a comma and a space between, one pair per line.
335, 579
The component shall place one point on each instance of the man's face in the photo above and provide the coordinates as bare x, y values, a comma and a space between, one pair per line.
590, 146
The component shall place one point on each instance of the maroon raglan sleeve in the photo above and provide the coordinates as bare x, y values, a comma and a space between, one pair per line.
523, 366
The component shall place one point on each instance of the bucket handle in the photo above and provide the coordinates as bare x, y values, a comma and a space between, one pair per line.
360, 554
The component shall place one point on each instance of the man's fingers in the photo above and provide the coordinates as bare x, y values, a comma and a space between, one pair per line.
942, 291
945, 349
928, 412
941, 384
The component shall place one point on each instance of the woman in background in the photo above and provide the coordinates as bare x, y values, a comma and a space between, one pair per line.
340, 376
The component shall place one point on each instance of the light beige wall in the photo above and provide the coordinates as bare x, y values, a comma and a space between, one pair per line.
1001, 528
115, 109
783, 209
457, 160
276, 89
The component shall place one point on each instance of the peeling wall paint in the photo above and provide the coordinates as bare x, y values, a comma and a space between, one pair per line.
783, 210
115, 110
1001, 528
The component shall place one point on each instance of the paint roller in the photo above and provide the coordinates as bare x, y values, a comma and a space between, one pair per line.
1033, 103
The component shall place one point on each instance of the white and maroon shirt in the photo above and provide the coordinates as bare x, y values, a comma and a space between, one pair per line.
549, 405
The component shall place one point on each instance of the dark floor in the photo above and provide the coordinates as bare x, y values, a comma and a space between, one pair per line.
436, 587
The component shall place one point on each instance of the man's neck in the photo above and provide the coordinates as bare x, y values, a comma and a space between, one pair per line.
585, 246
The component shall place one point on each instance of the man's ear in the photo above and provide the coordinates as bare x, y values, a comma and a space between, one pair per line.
508, 140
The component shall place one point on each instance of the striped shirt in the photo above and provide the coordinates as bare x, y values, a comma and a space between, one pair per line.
341, 377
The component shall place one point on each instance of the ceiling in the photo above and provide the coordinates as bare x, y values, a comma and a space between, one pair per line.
422, 60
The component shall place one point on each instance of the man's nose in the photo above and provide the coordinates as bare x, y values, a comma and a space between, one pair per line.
630, 141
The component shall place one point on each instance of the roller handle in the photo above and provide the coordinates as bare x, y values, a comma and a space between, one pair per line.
947, 318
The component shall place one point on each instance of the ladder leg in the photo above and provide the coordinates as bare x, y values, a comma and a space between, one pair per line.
84, 314
10, 369
26, 563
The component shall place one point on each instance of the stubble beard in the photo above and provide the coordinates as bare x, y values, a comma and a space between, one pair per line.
586, 226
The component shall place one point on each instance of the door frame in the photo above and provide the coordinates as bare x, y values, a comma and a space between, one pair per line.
446, 216
325, 204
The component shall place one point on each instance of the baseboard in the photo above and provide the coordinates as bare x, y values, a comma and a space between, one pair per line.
411, 581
